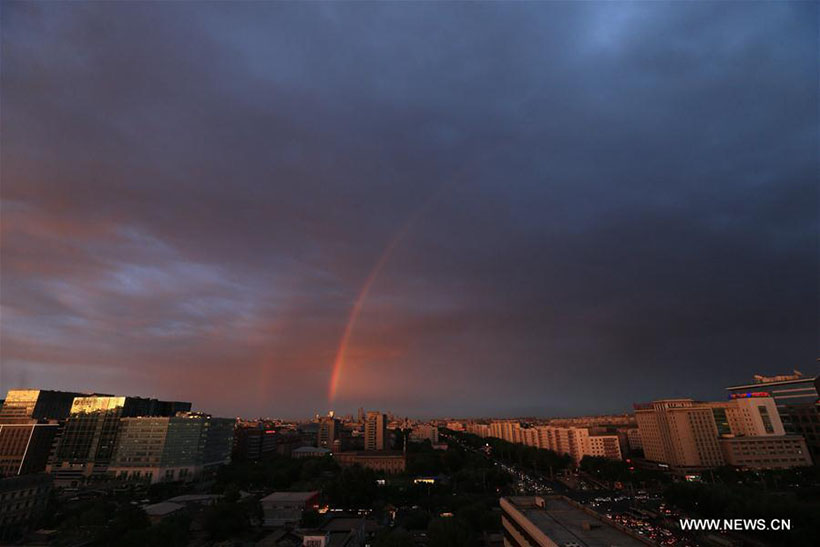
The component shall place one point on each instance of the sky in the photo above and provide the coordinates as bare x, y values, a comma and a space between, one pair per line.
544, 209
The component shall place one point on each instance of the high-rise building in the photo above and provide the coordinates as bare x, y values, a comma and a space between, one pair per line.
181, 447
33, 405
88, 441
797, 400
634, 441
680, 433
30, 419
480, 429
375, 431
25, 448
748, 417
573, 441
746, 432
577, 442
254, 441
328, 432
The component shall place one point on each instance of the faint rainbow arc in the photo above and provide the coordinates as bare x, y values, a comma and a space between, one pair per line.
338, 362
357, 308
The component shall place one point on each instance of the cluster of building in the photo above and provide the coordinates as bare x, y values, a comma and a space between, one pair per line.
282, 512
370, 440
366, 442
596, 439
78, 438
772, 423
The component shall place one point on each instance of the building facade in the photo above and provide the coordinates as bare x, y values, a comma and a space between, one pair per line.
25, 448
797, 400
375, 431
680, 433
283, 508
34, 405
377, 460
253, 441
178, 448
328, 432
424, 432
767, 452
87, 444
23, 502
691, 435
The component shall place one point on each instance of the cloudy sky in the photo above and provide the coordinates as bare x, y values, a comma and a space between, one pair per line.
561, 208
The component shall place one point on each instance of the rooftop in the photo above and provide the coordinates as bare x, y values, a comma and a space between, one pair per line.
290, 496
162, 508
373, 453
566, 524
311, 449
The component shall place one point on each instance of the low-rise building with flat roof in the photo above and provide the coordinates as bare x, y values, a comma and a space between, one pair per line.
556, 521
281, 508
770, 452
309, 452
378, 460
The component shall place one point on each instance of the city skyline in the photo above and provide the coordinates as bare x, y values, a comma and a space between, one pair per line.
451, 210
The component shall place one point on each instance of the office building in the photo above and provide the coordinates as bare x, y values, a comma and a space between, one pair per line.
633, 436
797, 401
89, 439
748, 417
30, 420
253, 442
680, 433
177, 448
34, 405
766, 452
25, 448
744, 431
375, 431
556, 521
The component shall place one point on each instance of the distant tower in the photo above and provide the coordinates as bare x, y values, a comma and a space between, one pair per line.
361, 414
375, 431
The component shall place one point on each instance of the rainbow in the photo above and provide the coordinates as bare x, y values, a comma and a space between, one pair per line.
338, 362
344, 342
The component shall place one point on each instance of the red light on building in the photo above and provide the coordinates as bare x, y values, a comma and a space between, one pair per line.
749, 394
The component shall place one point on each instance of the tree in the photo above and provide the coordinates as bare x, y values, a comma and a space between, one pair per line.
448, 532
396, 537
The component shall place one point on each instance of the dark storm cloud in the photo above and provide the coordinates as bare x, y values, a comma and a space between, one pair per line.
612, 202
